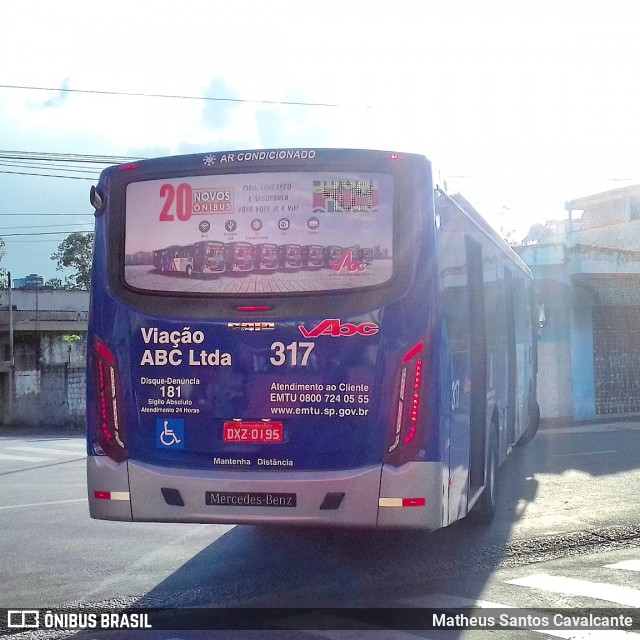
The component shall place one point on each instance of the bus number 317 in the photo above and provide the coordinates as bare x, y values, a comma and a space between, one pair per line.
295, 353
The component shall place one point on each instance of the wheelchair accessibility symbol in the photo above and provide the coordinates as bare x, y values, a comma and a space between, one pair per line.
170, 433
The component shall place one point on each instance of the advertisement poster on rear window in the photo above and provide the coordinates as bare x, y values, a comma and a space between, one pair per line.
260, 233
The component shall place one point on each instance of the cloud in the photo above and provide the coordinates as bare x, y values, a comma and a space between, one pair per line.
61, 97
293, 126
217, 113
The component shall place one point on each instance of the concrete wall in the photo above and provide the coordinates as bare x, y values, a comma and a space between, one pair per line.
46, 300
574, 279
49, 378
584, 407
50, 396
555, 392
76, 394
47, 383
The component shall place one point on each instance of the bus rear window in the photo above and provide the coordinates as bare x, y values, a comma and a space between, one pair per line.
330, 231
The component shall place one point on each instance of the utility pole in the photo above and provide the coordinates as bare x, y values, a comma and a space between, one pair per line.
7, 367
11, 357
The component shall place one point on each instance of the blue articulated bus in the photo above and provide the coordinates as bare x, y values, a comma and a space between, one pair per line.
378, 391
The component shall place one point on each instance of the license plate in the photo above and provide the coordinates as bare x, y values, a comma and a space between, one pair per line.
245, 499
253, 432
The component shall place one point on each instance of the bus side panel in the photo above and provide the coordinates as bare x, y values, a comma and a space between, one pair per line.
526, 354
458, 323
488, 337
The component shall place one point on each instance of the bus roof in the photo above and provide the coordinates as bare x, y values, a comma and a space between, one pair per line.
229, 160
461, 203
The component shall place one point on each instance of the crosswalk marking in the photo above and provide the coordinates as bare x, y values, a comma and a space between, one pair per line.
576, 587
43, 450
22, 458
17, 450
41, 504
71, 444
627, 565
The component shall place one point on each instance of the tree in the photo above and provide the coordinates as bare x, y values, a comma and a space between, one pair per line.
75, 252
508, 235
54, 283
537, 233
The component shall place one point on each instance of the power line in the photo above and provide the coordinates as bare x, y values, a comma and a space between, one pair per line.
35, 165
46, 226
179, 97
65, 157
47, 175
44, 164
32, 240
46, 233
66, 163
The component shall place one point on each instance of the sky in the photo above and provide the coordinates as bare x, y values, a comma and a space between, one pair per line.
521, 106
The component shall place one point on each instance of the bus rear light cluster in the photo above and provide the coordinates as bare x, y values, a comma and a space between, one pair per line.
415, 401
253, 308
110, 426
408, 419
402, 502
111, 495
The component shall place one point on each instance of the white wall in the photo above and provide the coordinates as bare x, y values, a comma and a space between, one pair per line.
45, 300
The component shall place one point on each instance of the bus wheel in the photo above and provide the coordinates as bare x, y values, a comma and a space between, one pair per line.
534, 423
189, 270
484, 510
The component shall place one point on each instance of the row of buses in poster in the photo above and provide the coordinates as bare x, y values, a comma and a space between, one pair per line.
212, 257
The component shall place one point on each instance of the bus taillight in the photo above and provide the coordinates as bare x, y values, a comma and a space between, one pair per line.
109, 426
406, 437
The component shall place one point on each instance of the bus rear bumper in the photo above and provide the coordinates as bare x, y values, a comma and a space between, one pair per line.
412, 496
374, 496
108, 484
160, 494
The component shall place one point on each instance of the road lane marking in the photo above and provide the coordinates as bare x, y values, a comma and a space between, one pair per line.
576, 587
627, 565
41, 504
79, 444
8, 456
64, 442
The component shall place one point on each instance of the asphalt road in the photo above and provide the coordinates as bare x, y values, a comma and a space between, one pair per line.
568, 507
